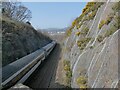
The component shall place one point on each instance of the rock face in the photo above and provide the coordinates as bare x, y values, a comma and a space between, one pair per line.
92, 46
19, 39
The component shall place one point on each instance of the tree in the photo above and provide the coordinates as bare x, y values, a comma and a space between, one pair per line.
17, 11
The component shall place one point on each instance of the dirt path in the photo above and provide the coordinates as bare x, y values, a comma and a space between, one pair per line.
44, 76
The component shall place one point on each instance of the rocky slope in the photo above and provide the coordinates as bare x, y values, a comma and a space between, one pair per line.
19, 39
90, 51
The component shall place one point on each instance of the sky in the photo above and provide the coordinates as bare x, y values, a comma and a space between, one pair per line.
54, 14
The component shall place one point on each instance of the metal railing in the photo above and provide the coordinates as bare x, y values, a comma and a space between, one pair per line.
25, 71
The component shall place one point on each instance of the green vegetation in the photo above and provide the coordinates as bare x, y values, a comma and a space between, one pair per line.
101, 24
109, 18
68, 72
90, 9
100, 38
82, 82
107, 21
92, 15
85, 30
83, 42
79, 25
78, 33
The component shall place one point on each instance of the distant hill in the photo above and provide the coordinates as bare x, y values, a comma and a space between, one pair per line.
54, 33
54, 29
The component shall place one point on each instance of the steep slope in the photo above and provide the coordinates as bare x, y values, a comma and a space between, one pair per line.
19, 39
91, 47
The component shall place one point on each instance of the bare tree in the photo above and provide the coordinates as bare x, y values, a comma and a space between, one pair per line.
17, 11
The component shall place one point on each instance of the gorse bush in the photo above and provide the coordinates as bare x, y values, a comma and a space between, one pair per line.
87, 9
68, 72
82, 82
78, 33
79, 25
66, 62
83, 42
101, 24
90, 7
67, 68
85, 30
92, 15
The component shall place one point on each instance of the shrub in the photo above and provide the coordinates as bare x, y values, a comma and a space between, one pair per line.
82, 86
81, 80
83, 42
86, 18
67, 68
92, 15
65, 62
79, 25
100, 38
68, 72
78, 33
85, 30
74, 23
101, 24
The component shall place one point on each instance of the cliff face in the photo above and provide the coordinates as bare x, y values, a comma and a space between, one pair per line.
92, 46
19, 39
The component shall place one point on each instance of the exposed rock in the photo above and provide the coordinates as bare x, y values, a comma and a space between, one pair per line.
96, 59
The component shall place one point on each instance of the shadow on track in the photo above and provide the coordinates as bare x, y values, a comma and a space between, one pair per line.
44, 75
